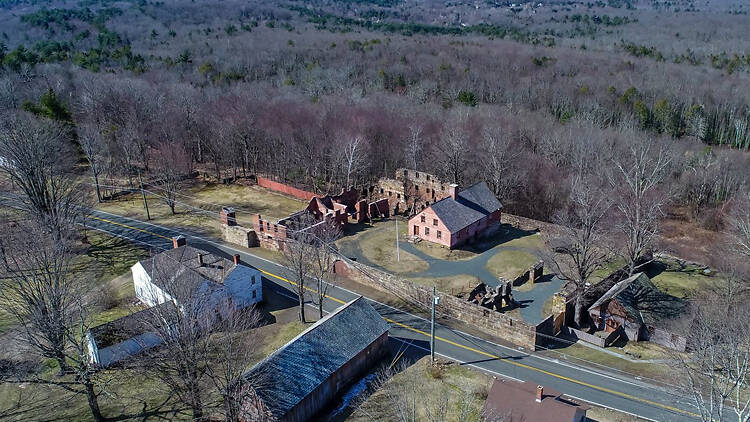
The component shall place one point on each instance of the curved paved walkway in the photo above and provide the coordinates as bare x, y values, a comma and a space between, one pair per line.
531, 301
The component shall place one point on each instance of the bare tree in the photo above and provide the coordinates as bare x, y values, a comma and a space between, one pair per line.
739, 226
636, 181
35, 155
182, 325
234, 348
414, 145
299, 256
453, 148
717, 371
580, 243
93, 147
403, 395
325, 235
354, 157
172, 164
497, 161
42, 293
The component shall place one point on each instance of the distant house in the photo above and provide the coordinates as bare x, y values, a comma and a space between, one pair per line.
298, 380
460, 218
188, 270
513, 401
637, 307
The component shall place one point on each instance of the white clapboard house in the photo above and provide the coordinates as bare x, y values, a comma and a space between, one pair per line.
178, 275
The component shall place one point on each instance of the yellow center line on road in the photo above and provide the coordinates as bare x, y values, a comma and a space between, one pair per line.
130, 227
471, 349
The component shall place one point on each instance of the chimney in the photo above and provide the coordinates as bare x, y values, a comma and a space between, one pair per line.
539, 393
179, 241
228, 216
236, 259
453, 190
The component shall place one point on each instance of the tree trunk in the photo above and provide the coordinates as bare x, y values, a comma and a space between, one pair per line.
64, 368
93, 401
579, 309
196, 403
302, 308
96, 183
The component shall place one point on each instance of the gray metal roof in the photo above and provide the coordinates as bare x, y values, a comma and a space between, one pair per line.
471, 205
287, 376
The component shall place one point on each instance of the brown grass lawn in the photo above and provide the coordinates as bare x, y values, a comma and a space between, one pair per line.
200, 202
104, 265
454, 285
378, 244
510, 263
462, 385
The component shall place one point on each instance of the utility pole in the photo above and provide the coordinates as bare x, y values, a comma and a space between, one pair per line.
143, 194
435, 301
398, 253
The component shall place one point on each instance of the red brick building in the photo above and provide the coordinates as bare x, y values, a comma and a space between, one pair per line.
460, 218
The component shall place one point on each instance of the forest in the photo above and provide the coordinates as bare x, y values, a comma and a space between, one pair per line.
523, 95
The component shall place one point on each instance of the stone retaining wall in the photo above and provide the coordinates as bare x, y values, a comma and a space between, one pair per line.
239, 235
492, 322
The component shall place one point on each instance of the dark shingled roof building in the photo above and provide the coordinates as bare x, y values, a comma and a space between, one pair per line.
298, 380
459, 218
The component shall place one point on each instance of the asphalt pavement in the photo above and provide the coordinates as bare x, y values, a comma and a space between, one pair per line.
618, 392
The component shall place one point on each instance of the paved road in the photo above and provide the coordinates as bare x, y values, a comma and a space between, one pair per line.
627, 395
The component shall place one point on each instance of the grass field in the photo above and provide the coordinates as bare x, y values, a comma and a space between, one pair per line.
200, 203
511, 263
462, 387
426, 388
454, 285
377, 243
104, 264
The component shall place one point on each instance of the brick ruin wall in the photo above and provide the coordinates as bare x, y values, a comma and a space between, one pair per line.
491, 322
286, 189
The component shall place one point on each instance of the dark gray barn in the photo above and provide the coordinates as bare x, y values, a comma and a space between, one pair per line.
298, 380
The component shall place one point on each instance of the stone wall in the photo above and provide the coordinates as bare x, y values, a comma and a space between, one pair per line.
239, 235
528, 224
491, 322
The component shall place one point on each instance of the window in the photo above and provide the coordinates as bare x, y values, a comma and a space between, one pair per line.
416, 173
422, 219
275, 228
406, 172
255, 294
381, 190
428, 177
390, 193
252, 280
427, 190
398, 196
427, 231
416, 188
440, 234
434, 221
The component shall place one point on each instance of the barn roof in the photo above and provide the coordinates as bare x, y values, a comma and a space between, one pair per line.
291, 373
642, 300
471, 205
